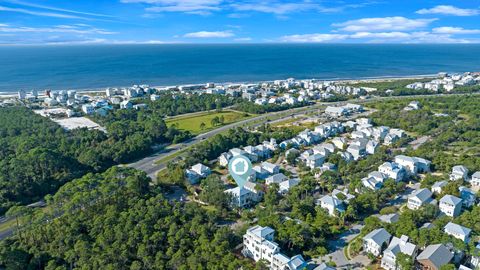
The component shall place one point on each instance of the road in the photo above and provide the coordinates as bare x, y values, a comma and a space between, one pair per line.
151, 166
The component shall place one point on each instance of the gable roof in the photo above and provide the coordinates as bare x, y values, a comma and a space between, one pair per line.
437, 254
457, 229
379, 236
450, 199
422, 195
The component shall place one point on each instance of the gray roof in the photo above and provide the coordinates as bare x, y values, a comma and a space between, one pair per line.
401, 245
476, 175
439, 184
261, 231
457, 229
450, 199
323, 266
379, 236
423, 194
437, 254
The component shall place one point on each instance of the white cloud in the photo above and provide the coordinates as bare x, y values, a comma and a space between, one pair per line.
70, 29
313, 38
449, 10
388, 35
210, 34
202, 7
57, 9
275, 8
243, 39
383, 24
454, 30
41, 13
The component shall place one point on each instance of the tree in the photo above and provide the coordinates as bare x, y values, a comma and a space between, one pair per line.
213, 192
202, 125
214, 121
404, 261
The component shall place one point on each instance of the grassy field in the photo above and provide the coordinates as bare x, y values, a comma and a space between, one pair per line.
193, 123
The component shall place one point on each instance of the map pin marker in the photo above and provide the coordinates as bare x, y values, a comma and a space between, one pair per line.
240, 168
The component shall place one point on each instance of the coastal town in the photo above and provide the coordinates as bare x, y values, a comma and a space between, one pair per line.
335, 164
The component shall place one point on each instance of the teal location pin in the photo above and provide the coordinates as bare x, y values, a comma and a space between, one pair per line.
240, 169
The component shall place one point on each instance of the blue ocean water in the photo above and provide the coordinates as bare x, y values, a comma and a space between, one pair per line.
94, 66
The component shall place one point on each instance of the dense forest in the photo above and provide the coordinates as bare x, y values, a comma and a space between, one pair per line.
169, 105
250, 107
451, 124
37, 156
116, 220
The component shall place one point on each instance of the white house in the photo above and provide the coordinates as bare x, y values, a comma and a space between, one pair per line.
393, 170
258, 243
371, 147
339, 142
458, 231
336, 111
126, 104
202, 170
314, 161
224, 158
459, 172
419, 198
475, 260
282, 262
450, 205
331, 204
414, 164
376, 241
286, 185
276, 179
437, 187
88, 109
356, 151
396, 246
241, 197
372, 183
271, 168
475, 181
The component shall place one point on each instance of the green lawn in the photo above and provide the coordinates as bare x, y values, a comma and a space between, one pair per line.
192, 123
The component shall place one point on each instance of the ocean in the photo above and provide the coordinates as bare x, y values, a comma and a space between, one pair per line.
98, 66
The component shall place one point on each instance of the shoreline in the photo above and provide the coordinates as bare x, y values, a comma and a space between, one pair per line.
344, 80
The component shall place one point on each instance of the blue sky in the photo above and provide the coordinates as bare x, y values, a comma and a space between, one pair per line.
244, 21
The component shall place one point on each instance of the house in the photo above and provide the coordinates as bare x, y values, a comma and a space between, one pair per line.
379, 133
320, 149
258, 244
396, 246
271, 168
434, 257
237, 151
378, 176
468, 196
459, 172
241, 197
286, 185
356, 151
88, 109
458, 231
202, 170
414, 105
224, 158
419, 198
260, 172
371, 147
342, 195
437, 187
475, 181
314, 161
262, 151
336, 111
339, 142
251, 153
413, 164
126, 104
376, 241
346, 156
272, 144
358, 135
475, 260
393, 170
331, 204
282, 262
450, 205
276, 179
372, 183
389, 218
192, 176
